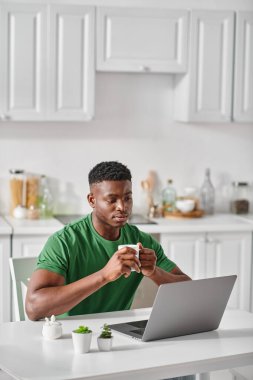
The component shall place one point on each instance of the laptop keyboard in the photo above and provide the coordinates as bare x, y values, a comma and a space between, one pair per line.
139, 324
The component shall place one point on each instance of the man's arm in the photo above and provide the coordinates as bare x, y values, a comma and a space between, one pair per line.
47, 293
159, 276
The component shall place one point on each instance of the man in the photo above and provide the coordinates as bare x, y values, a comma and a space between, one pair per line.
81, 270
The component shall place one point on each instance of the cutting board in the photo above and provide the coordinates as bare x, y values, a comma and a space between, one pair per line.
179, 214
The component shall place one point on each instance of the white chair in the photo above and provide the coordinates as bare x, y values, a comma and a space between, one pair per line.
21, 269
5, 376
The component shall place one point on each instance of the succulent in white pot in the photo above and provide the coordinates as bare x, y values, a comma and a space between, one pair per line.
82, 339
105, 338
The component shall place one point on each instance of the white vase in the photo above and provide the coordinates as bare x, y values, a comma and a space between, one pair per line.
104, 344
81, 342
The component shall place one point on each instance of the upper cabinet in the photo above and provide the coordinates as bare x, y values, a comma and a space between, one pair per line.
23, 30
47, 58
142, 40
217, 86
243, 88
71, 62
205, 92
47, 62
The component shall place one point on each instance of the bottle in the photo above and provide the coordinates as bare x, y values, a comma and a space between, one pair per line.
45, 199
207, 194
169, 198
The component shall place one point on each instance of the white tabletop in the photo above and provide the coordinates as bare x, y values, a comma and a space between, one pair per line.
24, 354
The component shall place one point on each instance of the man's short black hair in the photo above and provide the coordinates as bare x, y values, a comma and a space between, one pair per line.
109, 171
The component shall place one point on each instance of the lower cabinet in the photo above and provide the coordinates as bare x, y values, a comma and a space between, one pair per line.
211, 254
30, 245
241, 373
5, 249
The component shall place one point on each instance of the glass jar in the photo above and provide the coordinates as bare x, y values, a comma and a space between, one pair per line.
240, 198
46, 203
169, 196
32, 190
17, 189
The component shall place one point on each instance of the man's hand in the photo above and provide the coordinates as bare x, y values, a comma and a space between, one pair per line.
148, 259
120, 264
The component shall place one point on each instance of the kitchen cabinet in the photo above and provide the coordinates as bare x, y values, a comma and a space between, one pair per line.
23, 42
25, 246
48, 71
5, 252
142, 40
71, 77
205, 92
210, 254
217, 86
243, 90
5, 249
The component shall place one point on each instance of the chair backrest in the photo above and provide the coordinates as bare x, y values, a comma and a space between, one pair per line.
21, 269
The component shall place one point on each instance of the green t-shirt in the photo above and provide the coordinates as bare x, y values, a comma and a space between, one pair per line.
78, 250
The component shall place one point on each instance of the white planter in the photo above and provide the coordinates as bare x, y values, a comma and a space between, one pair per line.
104, 344
81, 342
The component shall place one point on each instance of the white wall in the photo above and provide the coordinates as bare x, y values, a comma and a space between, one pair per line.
133, 124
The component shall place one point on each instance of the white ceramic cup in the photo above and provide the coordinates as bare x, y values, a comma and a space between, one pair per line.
134, 246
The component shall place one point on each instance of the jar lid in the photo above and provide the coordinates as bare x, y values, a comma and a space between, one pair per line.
240, 184
16, 171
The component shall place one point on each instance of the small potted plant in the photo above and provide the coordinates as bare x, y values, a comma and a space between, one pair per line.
105, 338
82, 339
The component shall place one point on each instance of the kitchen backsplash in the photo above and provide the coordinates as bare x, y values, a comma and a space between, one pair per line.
134, 125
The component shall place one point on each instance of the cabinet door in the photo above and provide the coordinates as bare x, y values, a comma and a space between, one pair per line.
22, 61
71, 79
187, 251
205, 93
230, 253
26, 246
243, 88
5, 285
142, 40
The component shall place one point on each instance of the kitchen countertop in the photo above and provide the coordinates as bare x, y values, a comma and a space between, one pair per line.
210, 223
215, 223
34, 227
248, 217
5, 228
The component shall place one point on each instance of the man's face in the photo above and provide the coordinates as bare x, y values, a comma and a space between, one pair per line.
111, 202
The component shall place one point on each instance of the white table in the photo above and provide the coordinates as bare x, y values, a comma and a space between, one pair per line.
24, 354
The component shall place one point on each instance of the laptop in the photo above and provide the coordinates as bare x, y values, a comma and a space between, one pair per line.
183, 308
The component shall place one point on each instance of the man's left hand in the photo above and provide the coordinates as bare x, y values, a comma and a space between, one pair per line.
147, 258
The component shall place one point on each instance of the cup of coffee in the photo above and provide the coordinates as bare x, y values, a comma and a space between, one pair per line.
134, 246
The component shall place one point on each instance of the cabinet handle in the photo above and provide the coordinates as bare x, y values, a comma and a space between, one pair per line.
144, 68
212, 241
202, 240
